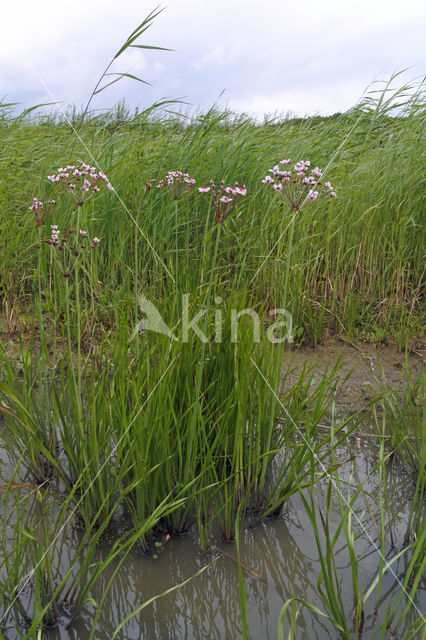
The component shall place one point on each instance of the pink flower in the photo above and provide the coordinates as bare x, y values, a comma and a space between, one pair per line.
300, 168
55, 233
309, 180
268, 180
225, 199
328, 185
231, 191
317, 172
285, 161
95, 242
313, 195
332, 194
203, 189
241, 191
278, 186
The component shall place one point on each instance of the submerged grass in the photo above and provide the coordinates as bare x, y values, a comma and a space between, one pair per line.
336, 529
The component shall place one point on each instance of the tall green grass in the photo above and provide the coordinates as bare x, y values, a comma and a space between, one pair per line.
357, 261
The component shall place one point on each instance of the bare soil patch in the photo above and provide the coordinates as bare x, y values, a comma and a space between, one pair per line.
365, 364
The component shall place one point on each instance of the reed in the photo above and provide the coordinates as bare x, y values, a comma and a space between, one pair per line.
352, 264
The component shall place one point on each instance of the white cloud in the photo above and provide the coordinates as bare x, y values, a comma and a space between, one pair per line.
131, 61
221, 55
309, 57
328, 98
159, 67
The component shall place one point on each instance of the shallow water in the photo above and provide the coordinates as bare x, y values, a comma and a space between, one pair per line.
279, 556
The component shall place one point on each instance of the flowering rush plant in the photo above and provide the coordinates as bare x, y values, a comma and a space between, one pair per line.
177, 181
224, 198
298, 183
82, 181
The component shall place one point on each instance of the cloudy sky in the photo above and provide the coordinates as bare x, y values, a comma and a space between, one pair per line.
253, 56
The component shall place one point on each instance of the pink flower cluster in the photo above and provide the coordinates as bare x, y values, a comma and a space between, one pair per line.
82, 180
224, 204
296, 185
40, 209
177, 181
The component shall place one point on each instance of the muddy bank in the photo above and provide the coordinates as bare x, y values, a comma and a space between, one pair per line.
365, 364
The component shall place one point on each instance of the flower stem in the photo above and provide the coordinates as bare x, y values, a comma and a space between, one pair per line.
78, 316
289, 258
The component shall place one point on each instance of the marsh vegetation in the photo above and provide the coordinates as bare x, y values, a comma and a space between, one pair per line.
118, 441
